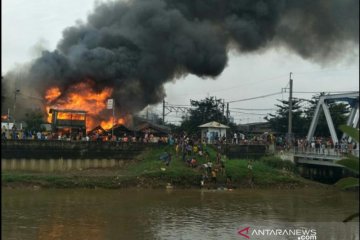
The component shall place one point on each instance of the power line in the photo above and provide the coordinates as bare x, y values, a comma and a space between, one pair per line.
324, 92
178, 105
262, 96
255, 109
261, 114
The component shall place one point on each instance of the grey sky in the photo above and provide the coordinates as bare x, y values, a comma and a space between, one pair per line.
27, 24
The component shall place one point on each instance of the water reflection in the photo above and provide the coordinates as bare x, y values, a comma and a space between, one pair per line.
162, 214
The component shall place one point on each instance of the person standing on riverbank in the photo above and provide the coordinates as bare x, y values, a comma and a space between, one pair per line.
218, 157
222, 167
228, 181
168, 159
203, 178
177, 150
213, 176
250, 172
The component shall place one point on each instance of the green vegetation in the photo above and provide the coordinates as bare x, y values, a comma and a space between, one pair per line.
149, 171
351, 163
203, 111
266, 171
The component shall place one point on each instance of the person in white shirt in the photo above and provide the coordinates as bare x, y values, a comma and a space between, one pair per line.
235, 141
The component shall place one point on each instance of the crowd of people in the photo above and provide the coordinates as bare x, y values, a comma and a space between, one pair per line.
192, 146
14, 134
194, 153
321, 145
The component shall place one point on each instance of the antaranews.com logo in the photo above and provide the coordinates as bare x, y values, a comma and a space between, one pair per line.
297, 233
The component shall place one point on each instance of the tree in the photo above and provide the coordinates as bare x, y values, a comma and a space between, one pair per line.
203, 111
33, 120
280, 120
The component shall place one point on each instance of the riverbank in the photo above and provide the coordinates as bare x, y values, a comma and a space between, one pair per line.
148, 171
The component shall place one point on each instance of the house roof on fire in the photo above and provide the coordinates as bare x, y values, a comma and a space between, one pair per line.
142, 125
152, 127
98, 129
119, 128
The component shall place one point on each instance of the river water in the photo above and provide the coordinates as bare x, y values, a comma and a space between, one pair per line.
173, 214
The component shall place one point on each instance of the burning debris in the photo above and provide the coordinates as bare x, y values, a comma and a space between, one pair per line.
128, 50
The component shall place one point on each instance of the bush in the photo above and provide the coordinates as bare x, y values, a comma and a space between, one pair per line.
278, 163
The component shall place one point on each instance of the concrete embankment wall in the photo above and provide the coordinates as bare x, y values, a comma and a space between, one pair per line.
244, 151
50, 165
31, 155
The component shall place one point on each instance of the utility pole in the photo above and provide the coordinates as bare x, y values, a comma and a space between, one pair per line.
164, 111
8, 119
112, 130
223, 109
227, 112
111, 105
16, 92
290, 112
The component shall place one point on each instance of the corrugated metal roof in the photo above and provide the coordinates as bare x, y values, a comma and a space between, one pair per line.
213, 124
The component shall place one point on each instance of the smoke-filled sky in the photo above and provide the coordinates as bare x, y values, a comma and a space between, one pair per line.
184, 50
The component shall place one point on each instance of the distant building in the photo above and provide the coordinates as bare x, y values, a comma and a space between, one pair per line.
212, 130
7, 125
255, 128
138, 127
10, 125
143, 126
121, 130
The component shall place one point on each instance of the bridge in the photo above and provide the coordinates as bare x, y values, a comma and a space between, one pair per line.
321, 164
317, 159
330, 157
353, 120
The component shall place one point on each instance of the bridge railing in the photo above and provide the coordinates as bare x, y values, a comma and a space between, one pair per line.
332, 152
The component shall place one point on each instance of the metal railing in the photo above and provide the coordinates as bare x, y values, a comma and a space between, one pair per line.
326, 152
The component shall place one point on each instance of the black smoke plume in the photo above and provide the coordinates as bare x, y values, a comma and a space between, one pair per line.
137, 46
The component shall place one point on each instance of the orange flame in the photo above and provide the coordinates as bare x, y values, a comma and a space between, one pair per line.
52, 94
70, 116
108, 124
81, 96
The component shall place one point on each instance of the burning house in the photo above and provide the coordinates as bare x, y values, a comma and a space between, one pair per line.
68, 121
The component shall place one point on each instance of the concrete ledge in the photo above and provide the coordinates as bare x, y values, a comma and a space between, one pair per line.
51, 165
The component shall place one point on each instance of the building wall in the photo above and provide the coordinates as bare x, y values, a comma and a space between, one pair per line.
244, 151
220, 131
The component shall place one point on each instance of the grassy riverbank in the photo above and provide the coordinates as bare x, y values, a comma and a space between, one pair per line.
147, 171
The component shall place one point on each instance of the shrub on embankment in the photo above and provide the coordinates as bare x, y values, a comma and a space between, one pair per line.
278, 163
264, 171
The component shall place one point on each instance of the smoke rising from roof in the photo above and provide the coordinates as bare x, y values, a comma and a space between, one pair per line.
137, 46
